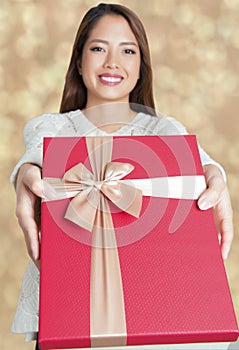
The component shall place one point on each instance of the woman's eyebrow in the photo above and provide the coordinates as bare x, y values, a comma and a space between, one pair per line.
98, 41
128, 43
107, 42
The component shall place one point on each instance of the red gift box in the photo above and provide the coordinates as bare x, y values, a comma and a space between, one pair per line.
127, 258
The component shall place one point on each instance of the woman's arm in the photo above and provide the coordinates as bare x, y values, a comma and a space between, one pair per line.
26, 178
29, 190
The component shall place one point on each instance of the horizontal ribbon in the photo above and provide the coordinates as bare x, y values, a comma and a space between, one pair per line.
89, 208
177, 187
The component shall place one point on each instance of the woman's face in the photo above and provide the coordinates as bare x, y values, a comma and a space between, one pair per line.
110, 65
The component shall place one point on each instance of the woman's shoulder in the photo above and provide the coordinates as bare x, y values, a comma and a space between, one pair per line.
49, 120
163, 124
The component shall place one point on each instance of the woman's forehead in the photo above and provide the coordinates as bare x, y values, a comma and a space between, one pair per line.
112, 27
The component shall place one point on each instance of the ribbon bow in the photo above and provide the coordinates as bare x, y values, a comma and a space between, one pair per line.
89, 190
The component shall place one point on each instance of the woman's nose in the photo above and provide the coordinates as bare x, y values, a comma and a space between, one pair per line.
112, 61
111, 65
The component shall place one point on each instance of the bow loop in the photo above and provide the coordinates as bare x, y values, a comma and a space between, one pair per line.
78, 174
116, 170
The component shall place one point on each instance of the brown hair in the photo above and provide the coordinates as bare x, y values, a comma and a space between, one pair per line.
75, 92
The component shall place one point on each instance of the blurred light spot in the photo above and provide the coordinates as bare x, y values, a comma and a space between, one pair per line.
232, 4
184, 14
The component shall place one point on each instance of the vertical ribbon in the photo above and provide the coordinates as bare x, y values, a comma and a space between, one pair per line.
107, 313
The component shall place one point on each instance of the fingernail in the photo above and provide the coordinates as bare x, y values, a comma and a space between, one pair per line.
204, 204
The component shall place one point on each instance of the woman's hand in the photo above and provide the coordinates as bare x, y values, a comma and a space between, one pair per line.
29, 188
217, 196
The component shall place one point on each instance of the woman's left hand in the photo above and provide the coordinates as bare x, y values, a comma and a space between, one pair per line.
217, 196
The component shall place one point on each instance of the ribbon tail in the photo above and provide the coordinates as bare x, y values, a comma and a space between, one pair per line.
131, 200
126, 197
107, 312
82, 209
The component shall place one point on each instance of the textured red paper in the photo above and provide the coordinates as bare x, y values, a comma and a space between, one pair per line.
175, 285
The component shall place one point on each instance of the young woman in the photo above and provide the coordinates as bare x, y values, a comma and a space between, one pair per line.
108, 90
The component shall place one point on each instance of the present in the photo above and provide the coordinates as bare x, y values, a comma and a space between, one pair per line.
127, 258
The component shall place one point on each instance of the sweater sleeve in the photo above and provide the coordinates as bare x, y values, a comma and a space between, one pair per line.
33, 134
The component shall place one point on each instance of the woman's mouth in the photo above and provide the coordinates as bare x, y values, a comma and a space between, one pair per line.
110, 79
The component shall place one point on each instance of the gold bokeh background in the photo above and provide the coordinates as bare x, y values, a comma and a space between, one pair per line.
195, 55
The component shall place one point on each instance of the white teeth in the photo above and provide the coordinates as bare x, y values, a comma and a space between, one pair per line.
111, 79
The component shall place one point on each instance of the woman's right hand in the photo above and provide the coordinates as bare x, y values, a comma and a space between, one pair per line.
29, 190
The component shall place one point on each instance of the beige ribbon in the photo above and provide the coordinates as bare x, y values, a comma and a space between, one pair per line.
89, 209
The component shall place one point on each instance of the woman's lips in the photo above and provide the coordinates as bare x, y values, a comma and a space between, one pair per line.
110, 79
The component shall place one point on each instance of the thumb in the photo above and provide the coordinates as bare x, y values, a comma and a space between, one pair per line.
215, 187
37, 188
31, 178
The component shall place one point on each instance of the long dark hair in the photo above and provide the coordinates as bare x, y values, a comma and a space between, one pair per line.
75, 92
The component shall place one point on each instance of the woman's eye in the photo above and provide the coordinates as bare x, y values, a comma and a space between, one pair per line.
97, 49
129, 51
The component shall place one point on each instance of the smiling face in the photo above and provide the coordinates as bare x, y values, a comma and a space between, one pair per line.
110, 62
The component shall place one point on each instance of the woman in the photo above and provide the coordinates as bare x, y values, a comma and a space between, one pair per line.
108, 90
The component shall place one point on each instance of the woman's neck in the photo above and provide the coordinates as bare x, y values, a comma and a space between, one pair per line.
110, 117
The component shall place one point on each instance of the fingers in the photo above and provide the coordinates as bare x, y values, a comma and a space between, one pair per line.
28, 187
224, 217
26, 218
31, 239
227, 237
